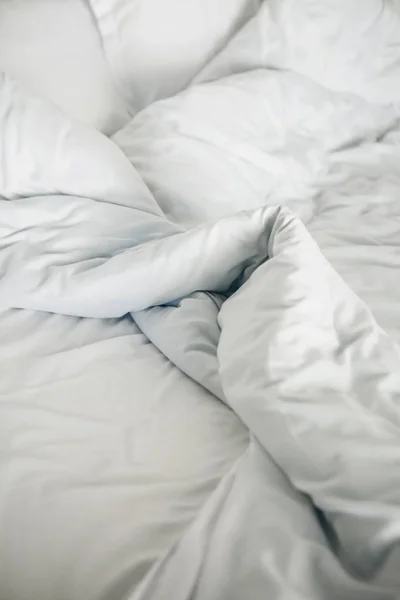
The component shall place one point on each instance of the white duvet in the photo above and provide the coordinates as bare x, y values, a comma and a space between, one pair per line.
253, 237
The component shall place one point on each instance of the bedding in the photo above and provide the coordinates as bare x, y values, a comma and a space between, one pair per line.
157, 47
108, 450
54, 49
94, 482
200, 328
348, 46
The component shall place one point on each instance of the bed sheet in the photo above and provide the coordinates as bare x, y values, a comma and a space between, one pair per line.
222, 145
53, 48
303, 349
108, 452
266, 138
155, 48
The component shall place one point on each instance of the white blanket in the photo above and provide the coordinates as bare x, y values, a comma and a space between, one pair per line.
245, 304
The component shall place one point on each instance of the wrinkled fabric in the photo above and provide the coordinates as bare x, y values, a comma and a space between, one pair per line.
293, 351
94, 485
345, 45
249, 226
155, 48
54, 49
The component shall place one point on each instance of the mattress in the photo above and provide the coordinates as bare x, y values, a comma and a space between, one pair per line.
199, 348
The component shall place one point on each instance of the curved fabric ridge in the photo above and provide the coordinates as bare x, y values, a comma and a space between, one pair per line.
293, 351
305, 366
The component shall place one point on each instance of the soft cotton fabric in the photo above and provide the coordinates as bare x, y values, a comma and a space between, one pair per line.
345, 45
228, 262
155, 47
54, 49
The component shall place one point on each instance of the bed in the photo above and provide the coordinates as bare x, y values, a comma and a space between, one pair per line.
199, 299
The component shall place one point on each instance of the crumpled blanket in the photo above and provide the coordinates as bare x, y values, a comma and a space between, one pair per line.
248, 306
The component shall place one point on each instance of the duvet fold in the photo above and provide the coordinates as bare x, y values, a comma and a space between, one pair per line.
249, 307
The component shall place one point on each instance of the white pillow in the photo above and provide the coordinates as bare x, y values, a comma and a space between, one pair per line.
157, 46
54, 49
345, 45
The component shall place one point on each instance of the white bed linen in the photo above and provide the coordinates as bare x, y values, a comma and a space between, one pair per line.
346, 45
295, 352
107, 450
267, 137
156, 47
53, 47
258, 127
83, 235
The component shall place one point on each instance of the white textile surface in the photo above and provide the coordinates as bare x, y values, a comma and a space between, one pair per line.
53, 47
237, 244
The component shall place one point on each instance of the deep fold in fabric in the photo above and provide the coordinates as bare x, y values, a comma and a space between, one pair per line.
292, 350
